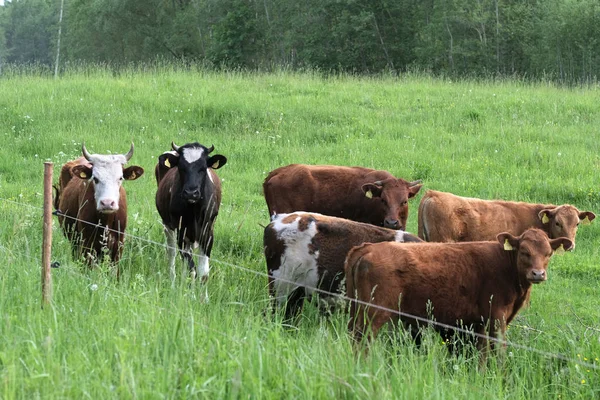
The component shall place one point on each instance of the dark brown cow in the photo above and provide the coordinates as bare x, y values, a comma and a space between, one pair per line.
481, 285
91, 203
444, 217
356, 193
307, 250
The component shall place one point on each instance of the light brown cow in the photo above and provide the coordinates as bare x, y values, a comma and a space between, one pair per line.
481, 285
445, 217
91, 203
356, 193
305, 251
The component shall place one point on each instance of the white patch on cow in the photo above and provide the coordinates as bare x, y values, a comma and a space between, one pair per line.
210, 176
191, 154
108, 171
202, 266
399, 237
171, 251
298, 267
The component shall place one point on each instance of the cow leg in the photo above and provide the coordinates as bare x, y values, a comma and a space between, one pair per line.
187, 255
171, 251
294, 304
202, 267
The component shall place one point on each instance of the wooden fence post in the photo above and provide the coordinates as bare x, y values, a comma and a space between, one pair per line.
47, 241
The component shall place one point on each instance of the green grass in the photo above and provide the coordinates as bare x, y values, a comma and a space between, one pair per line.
140, 338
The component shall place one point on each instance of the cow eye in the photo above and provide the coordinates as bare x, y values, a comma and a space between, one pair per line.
557, 224
96, 180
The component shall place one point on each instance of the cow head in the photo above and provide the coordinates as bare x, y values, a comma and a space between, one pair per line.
563, 221
533, 251
393, 194
192, 161
107, 174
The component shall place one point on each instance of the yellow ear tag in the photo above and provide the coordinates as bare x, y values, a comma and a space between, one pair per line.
586, 221
559, 250
216, 165
133, 176
507, 245
369, 194
82, 175
545, 219
167, 163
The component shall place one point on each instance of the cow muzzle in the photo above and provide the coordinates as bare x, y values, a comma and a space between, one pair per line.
537, 276
108, 206
392, 224
191, 195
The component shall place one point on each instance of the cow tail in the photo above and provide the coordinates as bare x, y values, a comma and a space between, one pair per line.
352, 269
423, 231
267, 193
56, 201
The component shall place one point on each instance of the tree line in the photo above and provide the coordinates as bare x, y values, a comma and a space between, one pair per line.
555, 39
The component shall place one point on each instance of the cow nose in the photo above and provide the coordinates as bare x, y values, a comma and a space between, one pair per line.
108, 204
391, 223
538, 274
191, 194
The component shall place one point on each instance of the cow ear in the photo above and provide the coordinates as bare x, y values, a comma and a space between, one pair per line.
168, 159
508, 241
217, 161
413, 190
545, 215
561, 244
133, 172
586, 217
372, 190
82, 171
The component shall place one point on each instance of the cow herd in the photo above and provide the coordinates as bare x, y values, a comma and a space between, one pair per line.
337, 230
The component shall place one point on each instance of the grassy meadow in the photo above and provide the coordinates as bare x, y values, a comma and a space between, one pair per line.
141, 338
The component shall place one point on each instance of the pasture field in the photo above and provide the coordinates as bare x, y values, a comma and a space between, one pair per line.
141, 338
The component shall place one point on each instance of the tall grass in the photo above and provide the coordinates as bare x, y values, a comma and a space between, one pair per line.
141, 338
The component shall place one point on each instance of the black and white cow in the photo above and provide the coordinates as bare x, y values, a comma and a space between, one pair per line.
188, 200
305, 251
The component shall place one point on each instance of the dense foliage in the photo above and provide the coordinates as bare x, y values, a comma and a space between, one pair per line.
556, 39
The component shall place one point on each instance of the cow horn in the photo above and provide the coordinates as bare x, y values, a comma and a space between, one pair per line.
378, 183
211, 148
86, 154
174, 146
413, 183
129, 153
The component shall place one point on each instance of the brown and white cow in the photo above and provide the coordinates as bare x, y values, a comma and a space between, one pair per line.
188, 199
480, 285
91, 203
356, 193
445, 217
307, 250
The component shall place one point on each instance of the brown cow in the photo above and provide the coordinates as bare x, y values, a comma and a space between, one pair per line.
480, 285
356, 193
307, 250
91, 203
444, 217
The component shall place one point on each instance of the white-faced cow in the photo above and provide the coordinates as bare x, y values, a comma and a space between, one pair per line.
91, 203
445, 217
356, 193
305, 251
188, 200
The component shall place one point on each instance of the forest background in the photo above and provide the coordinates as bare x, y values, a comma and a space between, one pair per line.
557, 40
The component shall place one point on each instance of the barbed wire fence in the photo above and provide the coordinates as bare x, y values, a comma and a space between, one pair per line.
426, 321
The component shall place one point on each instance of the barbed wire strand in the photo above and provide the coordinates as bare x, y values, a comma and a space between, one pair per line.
346, 298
